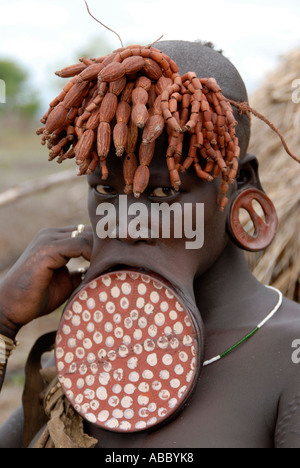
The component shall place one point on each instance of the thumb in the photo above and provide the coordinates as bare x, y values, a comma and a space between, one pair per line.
63, 285
77, 277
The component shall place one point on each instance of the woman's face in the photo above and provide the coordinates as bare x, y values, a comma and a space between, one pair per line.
179, 257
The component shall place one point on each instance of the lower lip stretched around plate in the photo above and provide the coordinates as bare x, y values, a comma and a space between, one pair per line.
127, 351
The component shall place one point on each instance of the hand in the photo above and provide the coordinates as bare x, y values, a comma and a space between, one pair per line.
40, 281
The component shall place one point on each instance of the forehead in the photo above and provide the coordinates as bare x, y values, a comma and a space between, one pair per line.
159, 174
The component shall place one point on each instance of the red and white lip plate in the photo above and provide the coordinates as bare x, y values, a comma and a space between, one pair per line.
127, 351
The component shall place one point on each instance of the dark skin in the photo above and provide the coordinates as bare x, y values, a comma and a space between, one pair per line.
244, 398
259, 378
248, 399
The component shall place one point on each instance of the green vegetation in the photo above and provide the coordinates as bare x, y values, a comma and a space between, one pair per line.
20, 97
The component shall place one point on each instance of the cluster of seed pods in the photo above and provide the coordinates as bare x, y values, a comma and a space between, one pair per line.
109, 99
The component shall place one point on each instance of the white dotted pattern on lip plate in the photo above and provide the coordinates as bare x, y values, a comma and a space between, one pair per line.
126, 352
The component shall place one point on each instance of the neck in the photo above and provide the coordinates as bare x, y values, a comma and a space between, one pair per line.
225, 293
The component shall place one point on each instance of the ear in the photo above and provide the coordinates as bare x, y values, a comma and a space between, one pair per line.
248, 173
249, 189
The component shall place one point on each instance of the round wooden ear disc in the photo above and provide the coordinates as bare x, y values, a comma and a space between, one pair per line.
127, 351
264, 230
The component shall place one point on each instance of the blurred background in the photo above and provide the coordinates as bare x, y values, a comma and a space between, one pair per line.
260, 37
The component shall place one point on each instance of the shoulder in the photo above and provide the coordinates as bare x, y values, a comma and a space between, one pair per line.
286, 345
282, 335
279, 350
286, 325
11, 431
291, 312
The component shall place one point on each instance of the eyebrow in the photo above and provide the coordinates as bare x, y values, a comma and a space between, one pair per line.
158, 177
97, 174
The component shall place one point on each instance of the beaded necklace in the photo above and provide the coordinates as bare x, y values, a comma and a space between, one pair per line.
249, 335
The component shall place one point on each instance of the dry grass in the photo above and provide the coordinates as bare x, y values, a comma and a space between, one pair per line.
279, 265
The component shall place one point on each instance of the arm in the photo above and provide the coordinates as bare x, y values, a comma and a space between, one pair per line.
37, 285
11, 432
287, 431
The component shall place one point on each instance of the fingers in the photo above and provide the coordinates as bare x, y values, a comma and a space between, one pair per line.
79, 246
64, 232
80, 229
53, 248
82, 237
66, 247
40, 281
76, 279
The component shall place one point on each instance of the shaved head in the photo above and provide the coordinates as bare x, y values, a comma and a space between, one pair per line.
207, 62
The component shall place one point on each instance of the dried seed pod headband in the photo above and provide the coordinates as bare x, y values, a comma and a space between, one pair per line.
110, 98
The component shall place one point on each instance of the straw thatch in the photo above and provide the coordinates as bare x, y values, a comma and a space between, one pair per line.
279, 265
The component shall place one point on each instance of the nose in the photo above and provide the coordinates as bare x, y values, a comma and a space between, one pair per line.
134, 221
127, 220
134, 229
132, 241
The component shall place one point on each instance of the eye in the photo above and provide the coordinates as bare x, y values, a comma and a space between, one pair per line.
163, 192
105, 190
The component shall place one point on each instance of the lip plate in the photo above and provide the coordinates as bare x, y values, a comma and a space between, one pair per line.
196, 333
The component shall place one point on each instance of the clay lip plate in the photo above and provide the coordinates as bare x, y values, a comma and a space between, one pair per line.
127, 351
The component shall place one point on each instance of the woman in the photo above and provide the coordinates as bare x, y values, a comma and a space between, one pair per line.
249, 398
